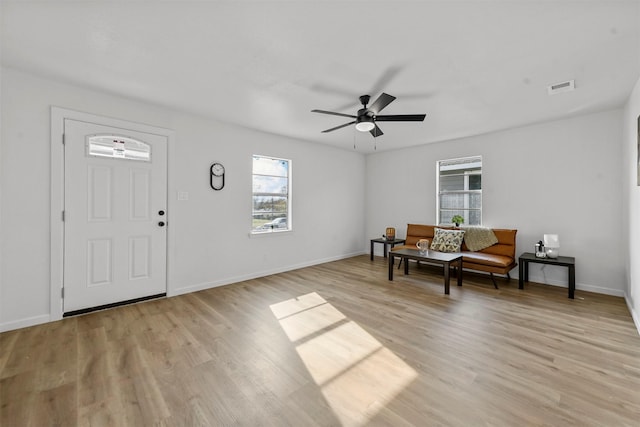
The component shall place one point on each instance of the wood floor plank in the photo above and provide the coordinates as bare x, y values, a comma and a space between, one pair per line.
335, 344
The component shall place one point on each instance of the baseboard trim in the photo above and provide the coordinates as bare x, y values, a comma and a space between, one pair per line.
45, 318
256, 275
634, 315
579, 286
25, 323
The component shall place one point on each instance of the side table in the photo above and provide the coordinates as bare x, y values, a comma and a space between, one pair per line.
386, 244
563, 261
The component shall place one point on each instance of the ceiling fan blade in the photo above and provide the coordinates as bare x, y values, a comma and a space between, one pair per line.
382, 101
376, 131
387, 76
333, 113
338, 127
401, 118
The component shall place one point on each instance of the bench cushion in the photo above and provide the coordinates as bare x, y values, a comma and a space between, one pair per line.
487, 259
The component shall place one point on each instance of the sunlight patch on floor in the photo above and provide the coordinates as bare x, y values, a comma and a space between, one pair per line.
358, 376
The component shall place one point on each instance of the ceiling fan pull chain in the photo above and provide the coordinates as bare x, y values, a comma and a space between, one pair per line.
354, 138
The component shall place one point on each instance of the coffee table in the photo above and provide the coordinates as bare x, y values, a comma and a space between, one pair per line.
432, 257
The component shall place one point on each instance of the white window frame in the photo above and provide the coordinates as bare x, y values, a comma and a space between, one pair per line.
288, 195
463, 164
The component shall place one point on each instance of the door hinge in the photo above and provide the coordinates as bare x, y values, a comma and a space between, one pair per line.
62, 216
64, 137
62, 293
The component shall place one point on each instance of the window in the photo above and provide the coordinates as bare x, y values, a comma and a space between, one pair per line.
271, 195
118, 147
460, 190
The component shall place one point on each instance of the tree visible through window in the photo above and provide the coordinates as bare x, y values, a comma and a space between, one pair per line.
460, 190
271, 194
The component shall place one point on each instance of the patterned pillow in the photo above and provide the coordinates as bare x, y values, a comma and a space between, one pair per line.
447, 240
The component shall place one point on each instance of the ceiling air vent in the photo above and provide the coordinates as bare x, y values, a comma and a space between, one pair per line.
567, 86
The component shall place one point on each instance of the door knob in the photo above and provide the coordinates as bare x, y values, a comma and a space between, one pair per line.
160, 213
161, 223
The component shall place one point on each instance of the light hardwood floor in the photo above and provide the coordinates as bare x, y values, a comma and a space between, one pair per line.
332, 345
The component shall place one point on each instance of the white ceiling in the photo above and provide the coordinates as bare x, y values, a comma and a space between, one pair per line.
471, 66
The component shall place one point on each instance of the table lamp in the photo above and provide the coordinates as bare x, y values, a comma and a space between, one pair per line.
552, 245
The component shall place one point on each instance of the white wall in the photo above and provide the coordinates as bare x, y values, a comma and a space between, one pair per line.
631, 199
209, 241
559, 177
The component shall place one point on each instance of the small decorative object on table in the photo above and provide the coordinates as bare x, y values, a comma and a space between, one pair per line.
423, 246
540, 253
457, 220
390, 233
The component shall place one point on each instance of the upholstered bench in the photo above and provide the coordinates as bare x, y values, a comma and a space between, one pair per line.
499, 257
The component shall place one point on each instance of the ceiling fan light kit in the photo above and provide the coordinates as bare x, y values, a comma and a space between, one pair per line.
366, 118
365, 124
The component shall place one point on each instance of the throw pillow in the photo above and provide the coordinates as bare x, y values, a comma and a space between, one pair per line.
447, 240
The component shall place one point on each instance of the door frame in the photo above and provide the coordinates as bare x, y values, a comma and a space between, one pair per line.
58, 116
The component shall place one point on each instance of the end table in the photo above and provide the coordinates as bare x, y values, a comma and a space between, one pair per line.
563, 261
386, 244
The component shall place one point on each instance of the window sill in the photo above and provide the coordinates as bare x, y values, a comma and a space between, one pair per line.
259, 234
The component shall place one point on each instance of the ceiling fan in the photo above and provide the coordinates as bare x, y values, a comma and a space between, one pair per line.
366, 118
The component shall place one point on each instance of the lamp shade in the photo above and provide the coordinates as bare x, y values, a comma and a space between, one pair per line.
551, 241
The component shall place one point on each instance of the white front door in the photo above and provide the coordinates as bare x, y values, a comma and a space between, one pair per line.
115, 199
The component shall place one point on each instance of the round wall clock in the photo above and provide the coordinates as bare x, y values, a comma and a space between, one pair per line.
216, 179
